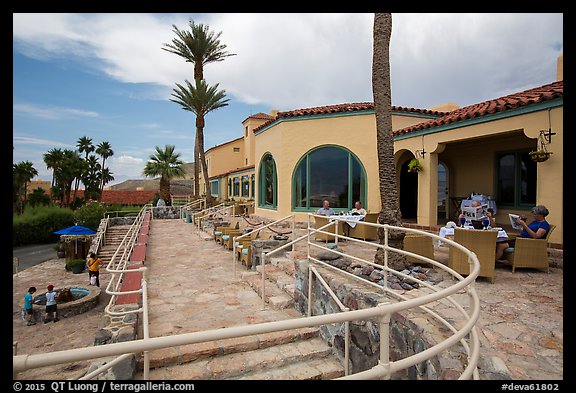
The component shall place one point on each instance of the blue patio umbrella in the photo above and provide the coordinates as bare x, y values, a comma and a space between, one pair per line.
75, 230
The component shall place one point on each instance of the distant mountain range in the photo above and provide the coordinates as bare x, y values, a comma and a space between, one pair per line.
177, 186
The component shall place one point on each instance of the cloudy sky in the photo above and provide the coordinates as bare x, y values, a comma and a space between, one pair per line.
105, 75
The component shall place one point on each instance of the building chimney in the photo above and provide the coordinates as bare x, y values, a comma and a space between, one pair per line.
273, 112
560, 67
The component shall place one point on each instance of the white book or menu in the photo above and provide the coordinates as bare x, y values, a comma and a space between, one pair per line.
513, 218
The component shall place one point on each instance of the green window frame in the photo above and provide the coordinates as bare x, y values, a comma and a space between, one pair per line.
301, 182
215, 187
515, 180
267, 183
236, 182
253, 185
245, 182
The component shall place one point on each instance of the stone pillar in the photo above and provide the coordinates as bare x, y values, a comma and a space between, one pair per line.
428, 191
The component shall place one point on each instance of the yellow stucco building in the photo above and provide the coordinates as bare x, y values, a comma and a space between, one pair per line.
288, 162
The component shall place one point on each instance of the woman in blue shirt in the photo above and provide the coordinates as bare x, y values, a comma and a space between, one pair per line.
537, 229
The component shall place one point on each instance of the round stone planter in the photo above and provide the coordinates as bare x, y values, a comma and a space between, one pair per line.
85, 298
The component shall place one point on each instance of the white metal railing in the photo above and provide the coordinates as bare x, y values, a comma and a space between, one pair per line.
100, 234
383, 312
257, 230
118, 267
198, 203
230, 208
207, 212
312, 272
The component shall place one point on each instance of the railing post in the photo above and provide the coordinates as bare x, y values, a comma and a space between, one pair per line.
293, 231
385, 342
310, 277
386, 257
336, 231
347, 347
263, 265
234, 254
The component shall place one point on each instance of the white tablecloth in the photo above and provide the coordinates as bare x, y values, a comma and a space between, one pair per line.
450, 232
348, 217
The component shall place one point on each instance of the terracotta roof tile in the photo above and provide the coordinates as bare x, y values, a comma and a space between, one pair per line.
259, 116
125, 197
341, 108
527, 97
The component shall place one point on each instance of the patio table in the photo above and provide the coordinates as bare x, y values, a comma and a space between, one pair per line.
450, 232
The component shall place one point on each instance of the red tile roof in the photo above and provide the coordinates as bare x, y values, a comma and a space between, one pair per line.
340, 108
231, 171
259, 116
511, 101
124, 197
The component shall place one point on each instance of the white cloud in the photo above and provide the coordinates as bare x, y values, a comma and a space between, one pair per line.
48, 143
291, 61
50, 112
126, 165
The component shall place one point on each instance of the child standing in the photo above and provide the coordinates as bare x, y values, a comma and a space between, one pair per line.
51, 307
94, 269
28, 303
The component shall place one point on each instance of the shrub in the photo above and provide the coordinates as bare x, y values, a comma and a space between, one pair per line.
37, 224
90, 215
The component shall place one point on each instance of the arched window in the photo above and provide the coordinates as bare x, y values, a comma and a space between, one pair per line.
267, 183
328, 172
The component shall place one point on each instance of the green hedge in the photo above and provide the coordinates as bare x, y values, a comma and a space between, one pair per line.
37, 224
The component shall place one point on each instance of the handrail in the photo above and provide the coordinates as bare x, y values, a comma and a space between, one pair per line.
382, 311
403, 252
99, 239
213, 213
257, 230
312, 271
190, 205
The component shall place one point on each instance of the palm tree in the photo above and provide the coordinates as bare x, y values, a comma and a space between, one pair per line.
166, 164
104, 150
106, 176
201, 100
199, 46
85, 145
53, 160
22, 173
390, 213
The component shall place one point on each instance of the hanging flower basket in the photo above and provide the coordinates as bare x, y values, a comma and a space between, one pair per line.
414, 166
540, 155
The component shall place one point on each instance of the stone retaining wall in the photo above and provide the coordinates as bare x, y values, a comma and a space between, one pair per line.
166, 212
410, 331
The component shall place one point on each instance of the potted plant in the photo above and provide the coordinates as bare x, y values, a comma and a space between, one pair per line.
59, 248
539, 155
415, 166
76, 265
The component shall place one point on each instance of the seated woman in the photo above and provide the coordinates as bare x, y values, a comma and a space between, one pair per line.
358, 209
537, 229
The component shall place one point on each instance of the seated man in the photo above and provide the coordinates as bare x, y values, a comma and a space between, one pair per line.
358, 209
537, 229
325, 209
473, 204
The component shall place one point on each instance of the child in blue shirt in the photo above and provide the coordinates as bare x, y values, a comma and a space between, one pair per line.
28, 303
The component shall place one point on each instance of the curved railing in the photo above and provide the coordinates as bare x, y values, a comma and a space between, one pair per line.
465, 335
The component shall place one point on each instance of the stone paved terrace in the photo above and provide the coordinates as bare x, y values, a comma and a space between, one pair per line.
192, 288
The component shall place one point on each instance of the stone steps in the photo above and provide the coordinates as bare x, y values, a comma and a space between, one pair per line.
307, 357
279, 289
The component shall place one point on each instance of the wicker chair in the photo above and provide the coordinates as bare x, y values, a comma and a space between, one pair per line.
246, 251
228, 238
529, 252
222, 230
480, 242
320, 222
419, 244
365, 232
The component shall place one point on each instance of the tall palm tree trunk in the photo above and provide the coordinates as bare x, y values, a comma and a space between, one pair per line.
200, 140
196, 168
390, 213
